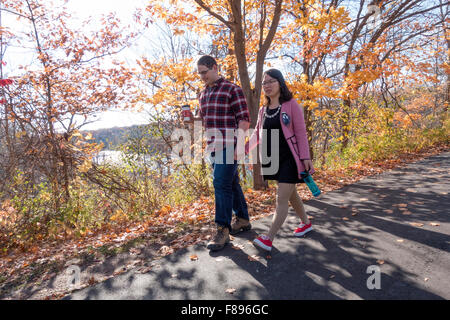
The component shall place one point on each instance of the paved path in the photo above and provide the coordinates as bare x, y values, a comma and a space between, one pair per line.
330, 262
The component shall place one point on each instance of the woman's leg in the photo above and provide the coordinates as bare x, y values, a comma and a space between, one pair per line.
283, 195
297, 204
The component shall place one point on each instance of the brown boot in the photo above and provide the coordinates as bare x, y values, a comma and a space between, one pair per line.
220, 239
240, 224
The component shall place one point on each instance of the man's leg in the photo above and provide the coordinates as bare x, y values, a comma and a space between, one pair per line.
223, 191
241, 221
239, 203
223, 175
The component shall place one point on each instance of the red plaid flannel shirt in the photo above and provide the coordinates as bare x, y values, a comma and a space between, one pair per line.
222, 106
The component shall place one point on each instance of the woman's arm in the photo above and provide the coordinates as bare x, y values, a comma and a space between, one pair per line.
300, 130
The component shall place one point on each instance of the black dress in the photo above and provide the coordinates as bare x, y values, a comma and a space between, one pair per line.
287, 170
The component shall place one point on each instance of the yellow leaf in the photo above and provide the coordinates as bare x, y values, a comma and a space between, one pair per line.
194, 257
416, 224
20, 134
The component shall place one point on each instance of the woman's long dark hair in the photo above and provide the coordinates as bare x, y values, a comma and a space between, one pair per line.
285, 93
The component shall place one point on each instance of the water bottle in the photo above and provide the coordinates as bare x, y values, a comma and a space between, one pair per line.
310, 183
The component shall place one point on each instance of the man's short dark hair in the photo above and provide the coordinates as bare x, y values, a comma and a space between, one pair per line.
207, 61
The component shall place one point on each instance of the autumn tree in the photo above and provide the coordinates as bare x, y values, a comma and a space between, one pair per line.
344, 50
250, 30
51, 99
381, 30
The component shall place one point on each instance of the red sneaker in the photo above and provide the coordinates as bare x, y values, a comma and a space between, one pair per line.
302, 229
263, 242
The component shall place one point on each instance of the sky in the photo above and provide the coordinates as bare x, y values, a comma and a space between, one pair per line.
124, 11
81, 10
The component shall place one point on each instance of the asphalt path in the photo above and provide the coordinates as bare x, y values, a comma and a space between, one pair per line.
385, 237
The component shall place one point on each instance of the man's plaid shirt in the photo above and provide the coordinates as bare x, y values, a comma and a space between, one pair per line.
222, 106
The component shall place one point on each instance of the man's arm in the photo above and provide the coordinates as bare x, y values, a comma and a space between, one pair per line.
192, 118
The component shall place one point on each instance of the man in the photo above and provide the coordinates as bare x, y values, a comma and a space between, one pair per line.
223, 110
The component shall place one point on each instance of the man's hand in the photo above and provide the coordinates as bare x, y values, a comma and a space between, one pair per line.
239, 152
192, 119
187, 114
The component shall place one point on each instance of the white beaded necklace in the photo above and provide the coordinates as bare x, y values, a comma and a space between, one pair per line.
273, 115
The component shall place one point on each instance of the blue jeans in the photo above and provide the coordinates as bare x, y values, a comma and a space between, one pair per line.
227, 190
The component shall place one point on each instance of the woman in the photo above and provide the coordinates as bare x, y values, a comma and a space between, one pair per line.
283, 117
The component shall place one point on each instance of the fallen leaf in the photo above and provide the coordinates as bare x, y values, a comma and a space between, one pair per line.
363, 199
119, 270
165, 250
268, 257
144, 269
91, 281
194, 257
230, 290
434, 224
390, 211
402, 205
380, 262
406, 212
135, 251
345, 218
416, 224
